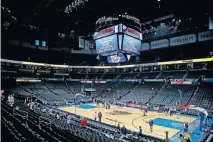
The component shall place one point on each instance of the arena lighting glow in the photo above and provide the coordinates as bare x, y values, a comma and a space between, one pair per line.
108, 67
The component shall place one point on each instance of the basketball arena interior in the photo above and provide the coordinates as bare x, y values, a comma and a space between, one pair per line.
106, 71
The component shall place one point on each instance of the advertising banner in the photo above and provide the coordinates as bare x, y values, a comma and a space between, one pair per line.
137, 106
183, 40
154, 80
86, 81
100, 82
181, 82
90, 89
203, 36
159, 44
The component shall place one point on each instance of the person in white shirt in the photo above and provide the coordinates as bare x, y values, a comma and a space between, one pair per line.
95, 116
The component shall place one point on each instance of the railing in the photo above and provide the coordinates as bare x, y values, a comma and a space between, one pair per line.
109, 67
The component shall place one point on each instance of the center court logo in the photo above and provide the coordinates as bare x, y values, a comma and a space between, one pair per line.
117, 112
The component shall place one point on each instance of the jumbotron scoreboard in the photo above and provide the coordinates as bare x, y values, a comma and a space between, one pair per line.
120, 41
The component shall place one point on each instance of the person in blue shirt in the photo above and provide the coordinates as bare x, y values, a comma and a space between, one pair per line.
151, 123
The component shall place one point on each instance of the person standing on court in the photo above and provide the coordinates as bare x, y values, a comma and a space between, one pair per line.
99, 116
186, 126
151, 123
95, 116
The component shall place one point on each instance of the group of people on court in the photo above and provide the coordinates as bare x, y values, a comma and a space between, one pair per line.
98, 115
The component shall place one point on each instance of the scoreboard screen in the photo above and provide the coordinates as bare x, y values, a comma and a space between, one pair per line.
131, 45
107, 45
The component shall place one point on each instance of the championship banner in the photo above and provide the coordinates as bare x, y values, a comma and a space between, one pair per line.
183, 40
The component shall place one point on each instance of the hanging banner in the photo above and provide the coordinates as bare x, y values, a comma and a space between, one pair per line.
203, 36
159, 44
183, 40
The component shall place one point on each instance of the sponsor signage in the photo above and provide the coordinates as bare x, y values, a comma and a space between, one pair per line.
86, 81
154, 80
183, 40
28, 80
90, 89
100, 82
181, 82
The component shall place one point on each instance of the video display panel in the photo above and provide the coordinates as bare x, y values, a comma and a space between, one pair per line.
107, 44
131, 45
116, 59
106, 32
131, 32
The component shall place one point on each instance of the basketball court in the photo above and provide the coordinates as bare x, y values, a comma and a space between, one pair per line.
133, 118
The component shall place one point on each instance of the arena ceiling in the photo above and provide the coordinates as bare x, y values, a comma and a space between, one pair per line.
50, 15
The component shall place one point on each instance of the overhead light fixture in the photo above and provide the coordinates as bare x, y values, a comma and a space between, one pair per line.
74, 5
158, 0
